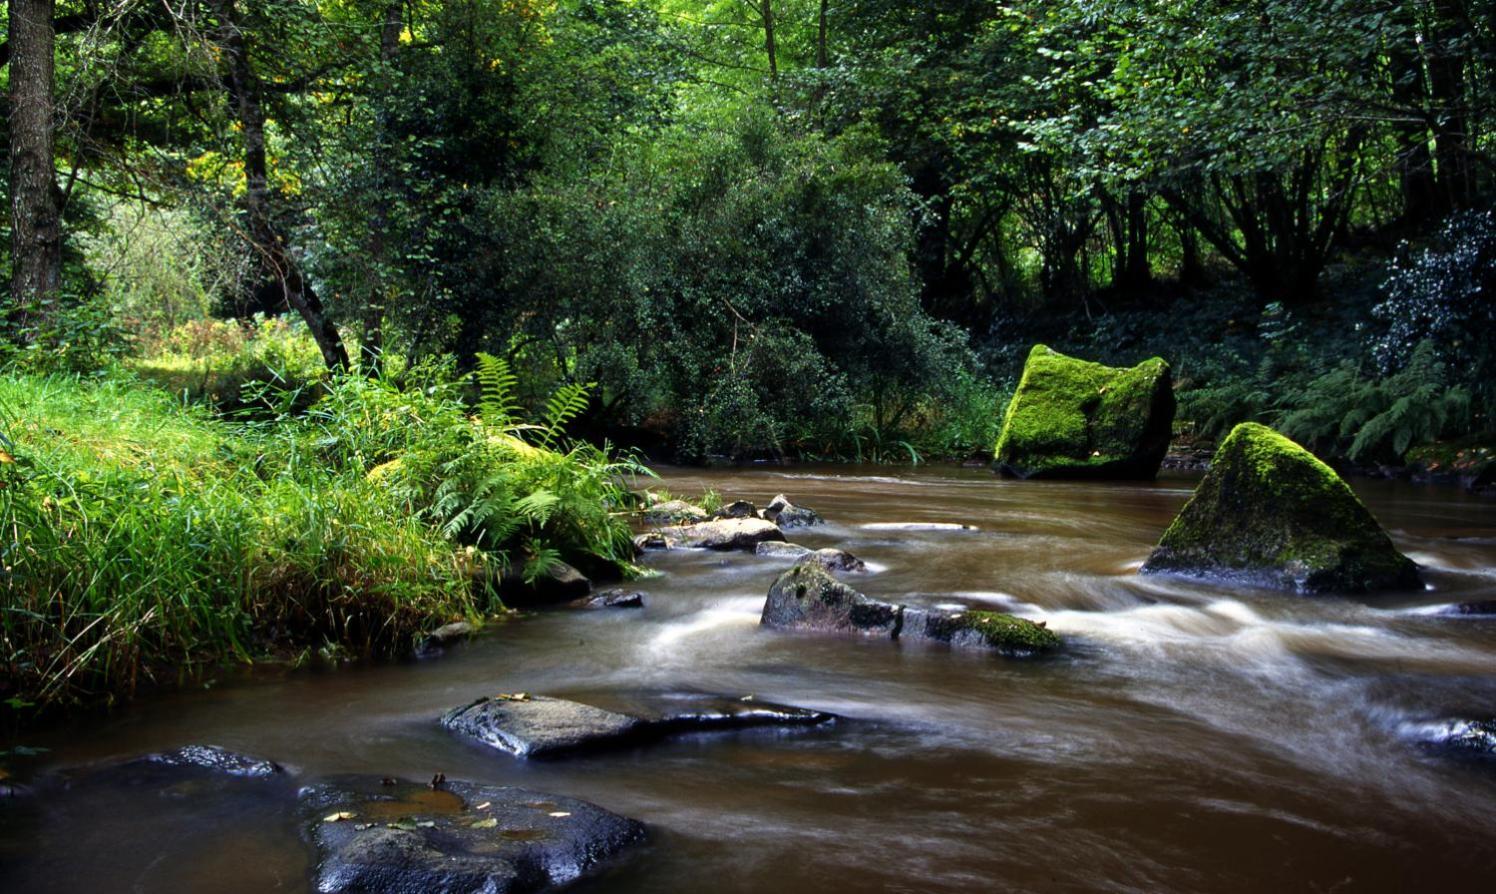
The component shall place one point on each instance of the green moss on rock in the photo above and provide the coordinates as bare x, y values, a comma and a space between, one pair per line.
1073, 418
1010, 634
1269, 511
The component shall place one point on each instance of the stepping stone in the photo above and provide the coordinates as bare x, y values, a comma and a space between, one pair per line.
538, 726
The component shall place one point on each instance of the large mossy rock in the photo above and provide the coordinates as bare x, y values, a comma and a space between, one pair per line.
1072, 418
1269, 512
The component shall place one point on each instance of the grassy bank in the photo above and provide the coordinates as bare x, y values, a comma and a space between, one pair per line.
145, 541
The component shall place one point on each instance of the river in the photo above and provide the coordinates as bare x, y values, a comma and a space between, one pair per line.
1192, 737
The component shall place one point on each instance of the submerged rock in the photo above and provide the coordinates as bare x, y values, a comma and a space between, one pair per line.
436, 642
1462, 738
807, 597
651, 541
833, 559
1072, 418
616, 599
1271, 513
723, 534
459, 837
216, 760
538, 726
1483, 608
785, 514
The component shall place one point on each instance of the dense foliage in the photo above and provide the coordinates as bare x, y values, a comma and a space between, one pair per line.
772, 228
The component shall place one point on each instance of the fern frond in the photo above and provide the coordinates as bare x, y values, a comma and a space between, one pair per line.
497, 384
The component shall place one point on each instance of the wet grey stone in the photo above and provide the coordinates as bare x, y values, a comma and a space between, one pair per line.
738, 509
616, 599
435, 642
723, 534
832, 559
537, 726
787, 515
773, 549
807, 597
458, 837
216, 760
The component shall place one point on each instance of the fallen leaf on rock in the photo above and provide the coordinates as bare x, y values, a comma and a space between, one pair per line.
338, 817
489, 823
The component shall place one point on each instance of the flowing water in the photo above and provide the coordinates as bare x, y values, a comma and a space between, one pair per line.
1194, 737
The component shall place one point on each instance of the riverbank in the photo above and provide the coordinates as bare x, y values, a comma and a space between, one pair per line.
148, 541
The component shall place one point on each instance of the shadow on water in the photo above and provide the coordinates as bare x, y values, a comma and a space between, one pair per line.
1193, 737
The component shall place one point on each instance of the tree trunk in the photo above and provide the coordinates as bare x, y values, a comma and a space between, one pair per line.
372, 346
770, 48
1447, 90
36, 217
265, 237
823, 58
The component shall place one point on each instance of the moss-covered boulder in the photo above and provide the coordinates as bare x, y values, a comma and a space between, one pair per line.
1072, 418
1271, 513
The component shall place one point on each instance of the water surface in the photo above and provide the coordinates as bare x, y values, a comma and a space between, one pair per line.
1194, 736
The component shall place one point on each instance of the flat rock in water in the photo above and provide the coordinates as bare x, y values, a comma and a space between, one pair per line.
723, 534
774, 549
807, 597
537, 726
1269, 513
376, 838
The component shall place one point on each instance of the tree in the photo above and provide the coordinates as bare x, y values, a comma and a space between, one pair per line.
243, 90
36, 217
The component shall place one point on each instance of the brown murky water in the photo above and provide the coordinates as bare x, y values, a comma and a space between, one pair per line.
1194, 738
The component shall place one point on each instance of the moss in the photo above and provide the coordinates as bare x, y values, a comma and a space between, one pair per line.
1008, 633
1075, 418
1268, 509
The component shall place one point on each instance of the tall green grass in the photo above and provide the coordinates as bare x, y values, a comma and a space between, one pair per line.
144, 541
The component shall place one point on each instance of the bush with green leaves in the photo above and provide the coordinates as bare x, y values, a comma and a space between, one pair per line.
1444, 296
